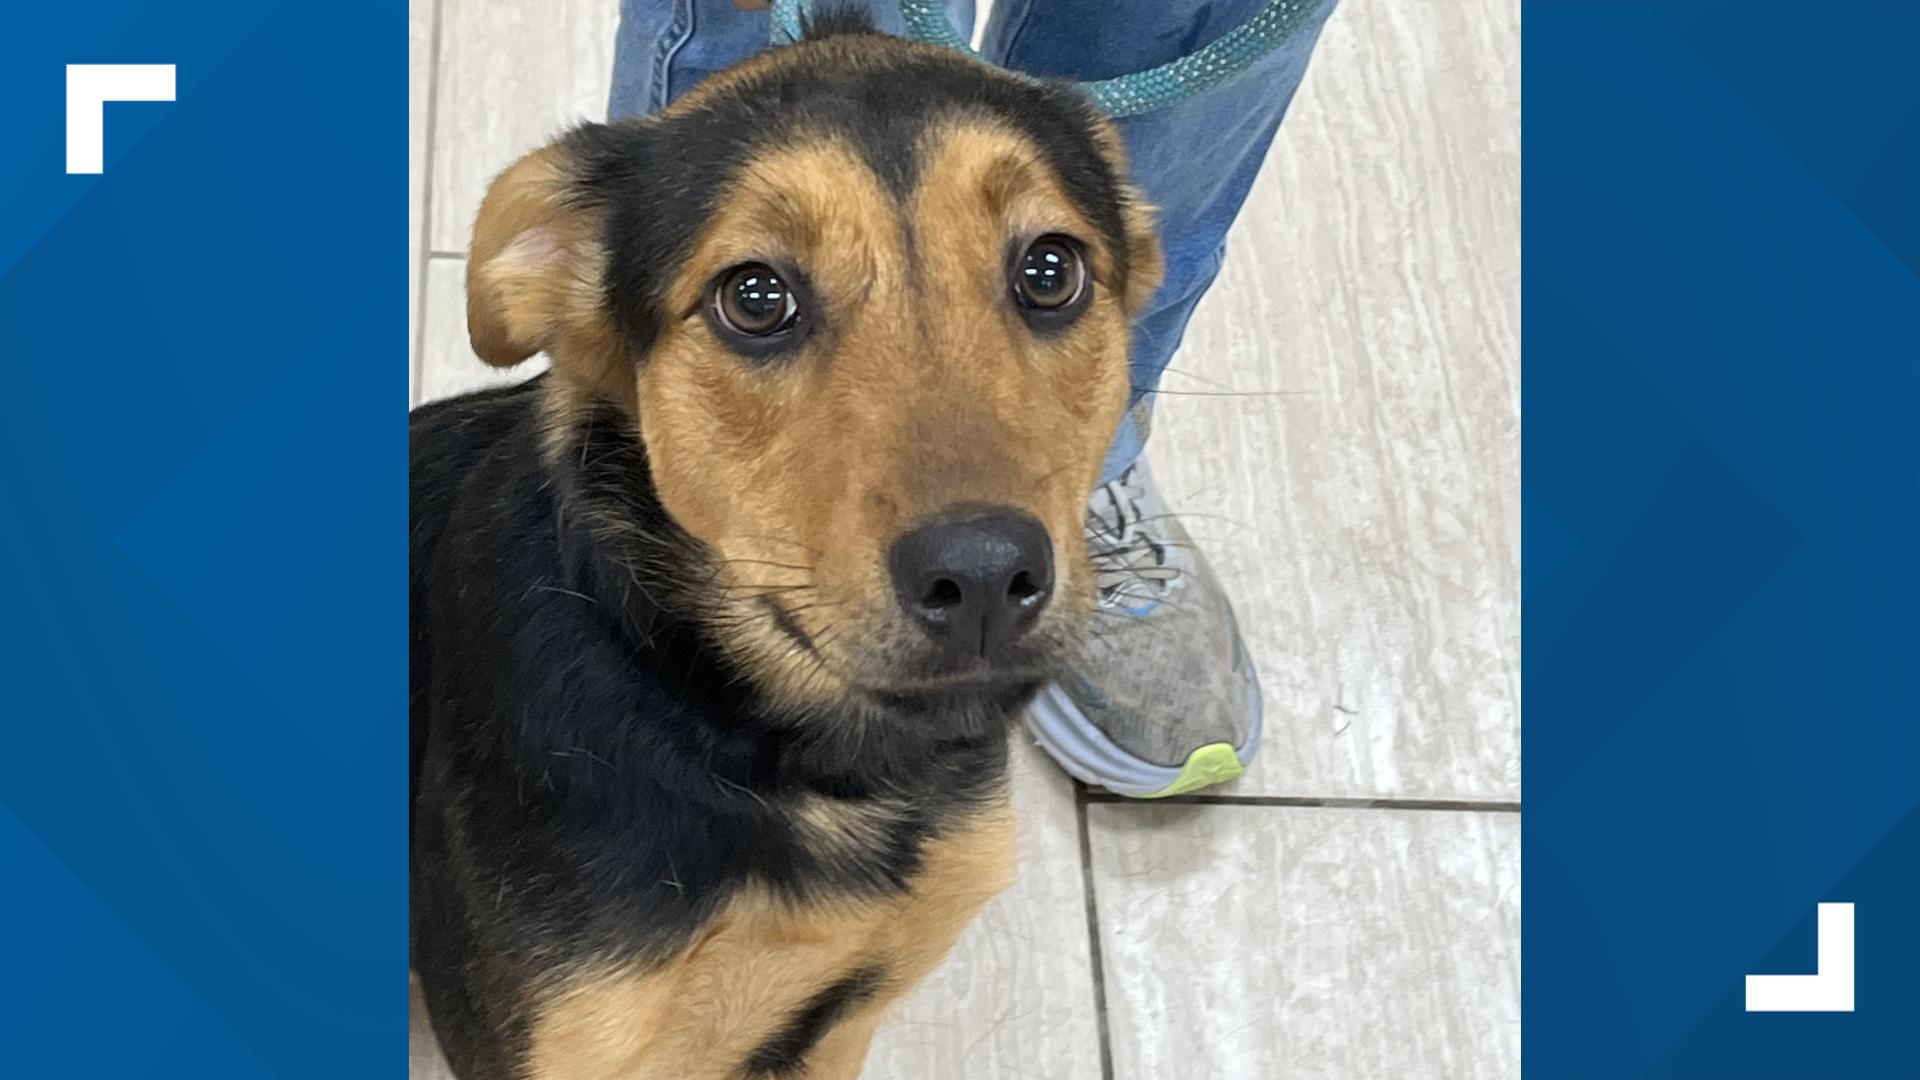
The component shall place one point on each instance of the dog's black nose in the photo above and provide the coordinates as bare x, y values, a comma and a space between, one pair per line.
976, 583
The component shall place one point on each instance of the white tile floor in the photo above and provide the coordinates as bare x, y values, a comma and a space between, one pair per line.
1350, 909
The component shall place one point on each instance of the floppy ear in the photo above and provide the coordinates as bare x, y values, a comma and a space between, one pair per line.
535, 266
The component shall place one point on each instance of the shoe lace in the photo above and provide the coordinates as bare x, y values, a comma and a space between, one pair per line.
1132, 567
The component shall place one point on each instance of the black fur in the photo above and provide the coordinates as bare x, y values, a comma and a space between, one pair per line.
831, 20
591, 778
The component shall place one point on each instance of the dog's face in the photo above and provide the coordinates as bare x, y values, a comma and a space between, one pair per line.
867, 305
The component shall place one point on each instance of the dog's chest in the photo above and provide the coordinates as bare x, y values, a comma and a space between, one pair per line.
770, 987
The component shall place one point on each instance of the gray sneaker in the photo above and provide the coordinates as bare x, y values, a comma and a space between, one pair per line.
1164, 699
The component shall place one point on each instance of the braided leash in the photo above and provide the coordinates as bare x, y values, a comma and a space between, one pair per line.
1125, 95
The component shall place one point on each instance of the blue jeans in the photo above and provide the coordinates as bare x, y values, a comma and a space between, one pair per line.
1195, 161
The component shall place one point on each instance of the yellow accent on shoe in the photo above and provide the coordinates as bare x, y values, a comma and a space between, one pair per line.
1215, 763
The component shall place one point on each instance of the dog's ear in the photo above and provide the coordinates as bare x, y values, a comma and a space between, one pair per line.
535, 266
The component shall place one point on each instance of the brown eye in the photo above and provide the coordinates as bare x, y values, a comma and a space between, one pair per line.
752, 300
1050, 274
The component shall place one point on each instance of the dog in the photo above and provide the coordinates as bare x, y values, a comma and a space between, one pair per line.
719, 627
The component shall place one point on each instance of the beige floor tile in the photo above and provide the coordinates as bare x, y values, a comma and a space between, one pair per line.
1259, 942
1367, 518
511, 77
424, 1061
419, 77
447, 364
1016, 997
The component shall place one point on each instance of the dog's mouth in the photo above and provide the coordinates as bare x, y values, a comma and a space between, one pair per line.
961, 683
1003, 681
989, 685
1001, 692
918, 684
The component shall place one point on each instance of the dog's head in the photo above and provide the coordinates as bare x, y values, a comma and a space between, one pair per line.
866, 305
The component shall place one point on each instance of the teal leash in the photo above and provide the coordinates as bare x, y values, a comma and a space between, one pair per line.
787, 27
1126, 95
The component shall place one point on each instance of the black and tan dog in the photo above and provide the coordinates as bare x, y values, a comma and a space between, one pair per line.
718, 627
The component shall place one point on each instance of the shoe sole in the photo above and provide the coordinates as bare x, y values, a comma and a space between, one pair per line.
1063, 730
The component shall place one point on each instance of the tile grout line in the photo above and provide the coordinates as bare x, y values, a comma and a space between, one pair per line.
1095, 963
1307, 801
416, 364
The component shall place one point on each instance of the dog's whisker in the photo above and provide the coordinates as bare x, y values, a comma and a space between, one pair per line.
1171, 370
764, 562
1192, 515
816, 552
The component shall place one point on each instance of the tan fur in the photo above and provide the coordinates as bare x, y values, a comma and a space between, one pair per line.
702, 1015
920, 390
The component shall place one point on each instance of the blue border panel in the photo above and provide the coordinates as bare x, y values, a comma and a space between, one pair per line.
1722, 333
202, 530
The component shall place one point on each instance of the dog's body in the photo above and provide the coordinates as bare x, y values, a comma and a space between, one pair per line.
667, 822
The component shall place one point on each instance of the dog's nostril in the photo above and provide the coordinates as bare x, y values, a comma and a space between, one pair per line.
941, 595
1023, 590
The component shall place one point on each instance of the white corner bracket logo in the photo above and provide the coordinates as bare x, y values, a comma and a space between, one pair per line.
89, 88
1829, 988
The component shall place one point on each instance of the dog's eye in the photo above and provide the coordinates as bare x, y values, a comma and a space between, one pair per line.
1050, 275
751, 299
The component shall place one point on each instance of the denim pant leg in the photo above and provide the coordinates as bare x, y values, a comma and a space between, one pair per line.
665, 47
1195, 161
